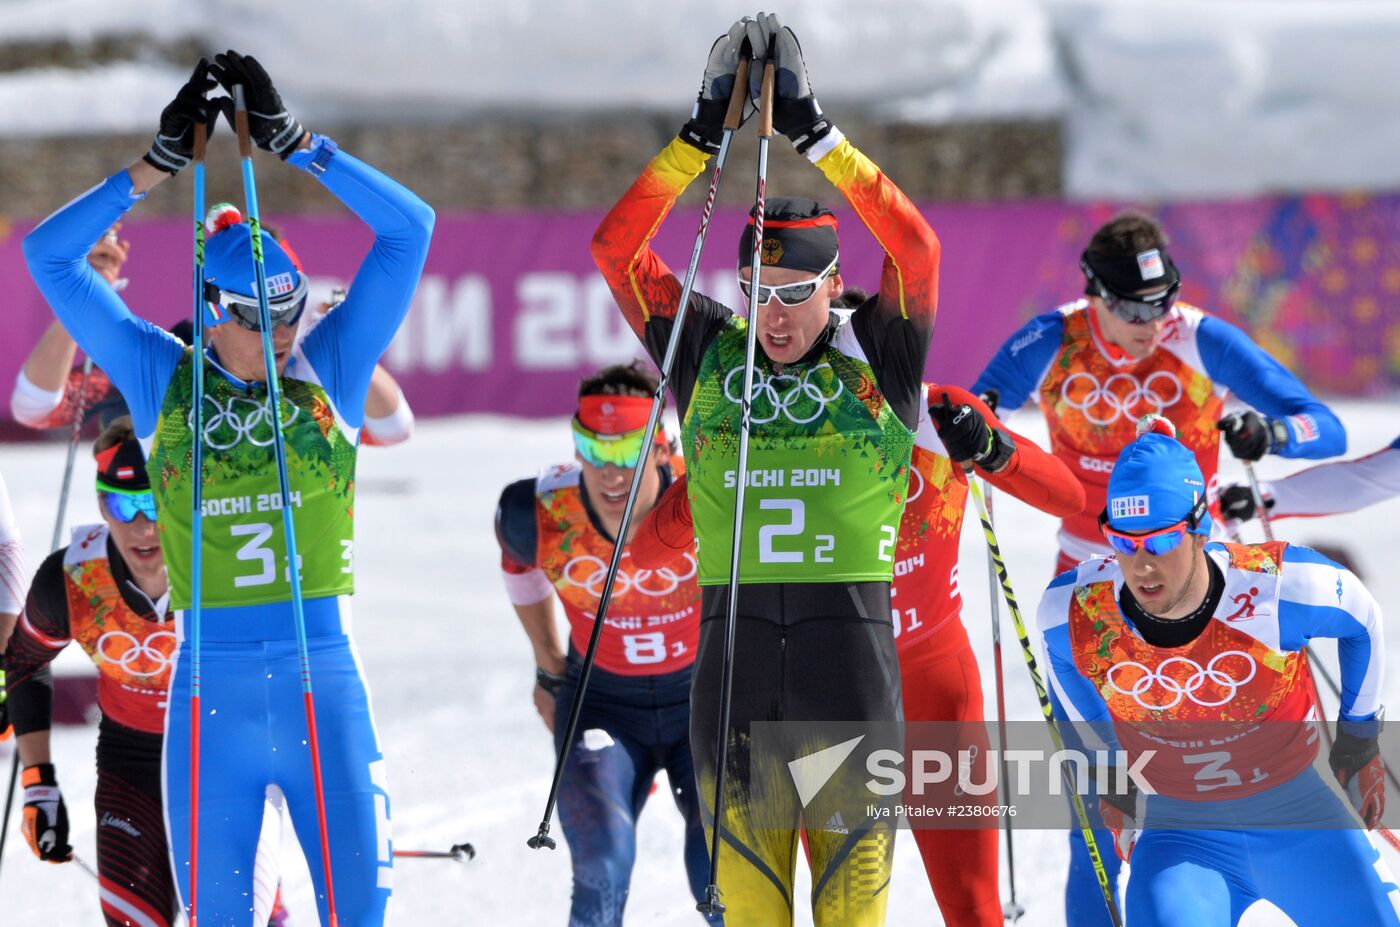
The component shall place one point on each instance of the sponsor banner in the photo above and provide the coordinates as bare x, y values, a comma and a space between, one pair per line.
511, 311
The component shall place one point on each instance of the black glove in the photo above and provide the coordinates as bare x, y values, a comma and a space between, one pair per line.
705, 129
992, 397
173, 146
796, 112
45, 816
1356, 762
4, 707
1123, 816
1251, 435
967, 437
271, 126
1237, 502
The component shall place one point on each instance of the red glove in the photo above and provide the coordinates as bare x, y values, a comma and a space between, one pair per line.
666, 532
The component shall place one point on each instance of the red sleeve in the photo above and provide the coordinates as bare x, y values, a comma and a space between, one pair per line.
98, 388
641, 283
1032, 475
667, 530
909, 279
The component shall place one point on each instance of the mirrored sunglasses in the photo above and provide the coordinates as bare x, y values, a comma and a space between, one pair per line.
124, 506
620, 450
789, 294
1140, 309
244, 309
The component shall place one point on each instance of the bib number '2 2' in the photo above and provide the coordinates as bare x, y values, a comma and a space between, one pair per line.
782, 538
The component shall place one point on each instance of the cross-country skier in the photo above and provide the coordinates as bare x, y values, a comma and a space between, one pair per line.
1127, 348
557, 533
13, 578
108, 591
835, 402
940, 677
47, 387
253, 729
1189, 656
1327, 489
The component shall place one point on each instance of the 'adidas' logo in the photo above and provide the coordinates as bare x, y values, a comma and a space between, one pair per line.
836, 825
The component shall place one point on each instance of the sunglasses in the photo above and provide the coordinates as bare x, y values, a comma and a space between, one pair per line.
789, 294
125, 505
620, 450
1139, 309
244, 309
1159, 542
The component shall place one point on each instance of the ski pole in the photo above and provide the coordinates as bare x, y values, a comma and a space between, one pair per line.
196, 511
85, 866
732, 118
274, 399
79, 408
1080, 812
712, 906
1012, 910
1259, 500
460, 852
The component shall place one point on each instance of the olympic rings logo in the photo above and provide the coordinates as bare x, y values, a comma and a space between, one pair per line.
135, 657
781, 391
597, 571
242, 419
1120, 395
1176, 689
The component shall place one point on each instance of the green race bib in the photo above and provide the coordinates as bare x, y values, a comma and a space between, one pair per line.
245, 551
828, 468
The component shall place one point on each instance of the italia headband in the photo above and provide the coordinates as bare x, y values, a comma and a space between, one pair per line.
1129, 274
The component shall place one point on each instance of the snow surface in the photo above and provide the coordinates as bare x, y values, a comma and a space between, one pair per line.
451, 674
1162, 98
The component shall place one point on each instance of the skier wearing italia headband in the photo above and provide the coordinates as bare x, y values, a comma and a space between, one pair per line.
1179, 641
557, 532
1127, 348
248, 630
108, 591
836, 398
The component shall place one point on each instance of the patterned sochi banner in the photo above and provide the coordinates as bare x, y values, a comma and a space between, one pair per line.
511, 311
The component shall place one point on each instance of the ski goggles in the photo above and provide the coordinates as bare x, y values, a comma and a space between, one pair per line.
285, 310
1159, 542
1139, 309
125, 504
789, 294
618, 450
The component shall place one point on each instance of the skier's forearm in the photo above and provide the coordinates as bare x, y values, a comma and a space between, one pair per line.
641, 283
1039, 479
33, 748
1344, 486
537, 619
48, 363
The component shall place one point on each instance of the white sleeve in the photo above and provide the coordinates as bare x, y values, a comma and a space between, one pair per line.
529, 587
30, 404
1343, 486
13, 575
394, 428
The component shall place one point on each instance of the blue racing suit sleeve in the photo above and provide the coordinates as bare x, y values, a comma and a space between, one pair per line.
137, 356
1017, 368
1083, 715
1320, 598
1231, 358
345, 347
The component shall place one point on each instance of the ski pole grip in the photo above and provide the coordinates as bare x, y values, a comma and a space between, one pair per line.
735, 113
765, 97
240, 122
201, 135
